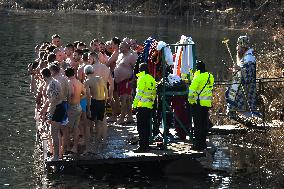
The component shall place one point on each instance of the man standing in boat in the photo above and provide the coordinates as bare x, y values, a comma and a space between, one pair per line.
241, 95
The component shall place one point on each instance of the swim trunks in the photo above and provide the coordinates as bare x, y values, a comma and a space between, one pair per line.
59, 113
83, 103
74, 114
97, 109
65, 119
124, 87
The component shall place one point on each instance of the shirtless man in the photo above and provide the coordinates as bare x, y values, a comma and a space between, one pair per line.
32, 71
81, 46
123, 74
77, 60
53, 105
104, 57
102, 71
60, 58
111, 63
85, 124
69, 50
51, 58
96, 47
74, 110
55, 73
96, 90
85, 61
56, 40
108, 48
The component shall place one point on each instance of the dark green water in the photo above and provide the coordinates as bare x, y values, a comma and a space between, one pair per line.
19, 164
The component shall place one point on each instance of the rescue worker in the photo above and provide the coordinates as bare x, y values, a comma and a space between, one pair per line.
143, 103
200, 97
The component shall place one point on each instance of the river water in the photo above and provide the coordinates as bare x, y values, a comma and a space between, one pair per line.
19, 33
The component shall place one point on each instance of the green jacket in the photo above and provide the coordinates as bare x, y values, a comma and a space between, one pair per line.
145, 91
205, 96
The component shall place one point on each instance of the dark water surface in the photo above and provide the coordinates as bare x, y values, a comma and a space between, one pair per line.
19, 164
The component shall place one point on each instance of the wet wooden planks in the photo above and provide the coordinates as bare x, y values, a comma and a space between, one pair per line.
119, 150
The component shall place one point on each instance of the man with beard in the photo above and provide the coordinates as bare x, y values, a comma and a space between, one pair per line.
241, 95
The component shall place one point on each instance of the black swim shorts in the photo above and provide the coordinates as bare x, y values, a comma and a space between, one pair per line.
97, 109
59, 113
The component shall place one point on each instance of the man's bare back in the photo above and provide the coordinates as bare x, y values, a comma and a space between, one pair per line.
97, 88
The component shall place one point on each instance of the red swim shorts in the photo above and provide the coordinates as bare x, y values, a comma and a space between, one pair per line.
124, 87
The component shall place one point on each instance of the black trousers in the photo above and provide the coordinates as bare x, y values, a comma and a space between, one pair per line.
201, 119
143, 116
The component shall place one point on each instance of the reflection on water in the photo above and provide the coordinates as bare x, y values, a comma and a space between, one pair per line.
20, 166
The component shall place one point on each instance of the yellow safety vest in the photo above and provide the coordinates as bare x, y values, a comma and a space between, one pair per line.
145, 91
205, 96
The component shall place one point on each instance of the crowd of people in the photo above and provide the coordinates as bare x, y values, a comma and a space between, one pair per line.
72, 84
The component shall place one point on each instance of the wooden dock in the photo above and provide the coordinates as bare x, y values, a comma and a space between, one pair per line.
119, 150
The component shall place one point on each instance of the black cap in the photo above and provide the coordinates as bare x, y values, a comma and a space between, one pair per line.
200, 66
143, 67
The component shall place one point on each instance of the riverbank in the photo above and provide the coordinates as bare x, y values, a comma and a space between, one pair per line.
257, 13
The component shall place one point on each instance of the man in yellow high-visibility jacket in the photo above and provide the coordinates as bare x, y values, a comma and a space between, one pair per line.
200, 97
143, 103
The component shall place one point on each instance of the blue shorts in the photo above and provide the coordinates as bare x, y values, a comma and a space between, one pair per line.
83, 104
60, 113
65, 119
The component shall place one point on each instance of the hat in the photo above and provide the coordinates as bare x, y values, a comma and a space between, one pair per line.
243, 41
200, 65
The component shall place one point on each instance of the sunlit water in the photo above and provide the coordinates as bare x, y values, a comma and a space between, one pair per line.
19, 163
